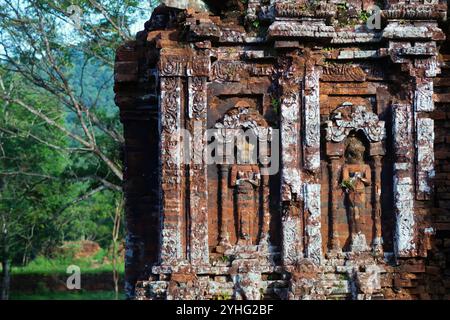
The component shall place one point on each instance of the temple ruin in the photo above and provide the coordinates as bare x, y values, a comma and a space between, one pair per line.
287, 150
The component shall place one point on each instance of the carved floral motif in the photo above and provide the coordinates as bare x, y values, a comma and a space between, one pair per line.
343, 72
349, 118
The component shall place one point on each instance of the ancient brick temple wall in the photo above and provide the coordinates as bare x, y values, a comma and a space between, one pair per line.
315, 73
437, 281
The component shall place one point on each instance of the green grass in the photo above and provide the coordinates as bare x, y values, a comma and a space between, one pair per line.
58, 265
75, 295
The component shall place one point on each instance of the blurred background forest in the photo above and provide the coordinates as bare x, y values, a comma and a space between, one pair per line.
60, 145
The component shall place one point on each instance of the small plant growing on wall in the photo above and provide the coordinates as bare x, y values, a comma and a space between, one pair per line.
223, 296
347, 185
276, 105
364, 16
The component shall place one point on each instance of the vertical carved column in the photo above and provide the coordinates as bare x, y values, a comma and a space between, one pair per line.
290, 131
378, 240
311, 150
311, 161
265, 226
290, 166
425, 157
403, 182
224, 237
423, 103
333, 167
171, 171
198, 194
313, 248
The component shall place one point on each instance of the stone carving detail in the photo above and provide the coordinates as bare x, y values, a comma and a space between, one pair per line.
349, 118
246, 176
299, 30
423, 97
348, 213
403, 186
290, 125
226, 71
171, 248
178, 66
356, 176
198, 194
292, 250
197, 98
246, 179
242, 116
405, 245
414, 11
301, 9
425, 157
311, 151
343, 72
199, 66
172, 66
313, 248
402, 130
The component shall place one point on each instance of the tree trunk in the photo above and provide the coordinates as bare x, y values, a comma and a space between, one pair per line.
115, 237
6, 279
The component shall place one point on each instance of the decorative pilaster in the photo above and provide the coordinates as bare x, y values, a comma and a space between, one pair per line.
377, 244
198, 194
404, 245
290, 137
333, 166
313, 247
423, 103
311, 150
265, 211
291, 186
292, 248
171, 170
425, 156
224, 237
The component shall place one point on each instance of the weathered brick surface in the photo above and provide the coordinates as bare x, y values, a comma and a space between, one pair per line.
346, 100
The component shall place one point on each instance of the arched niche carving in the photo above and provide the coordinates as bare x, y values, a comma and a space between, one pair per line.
357, 130
243, 137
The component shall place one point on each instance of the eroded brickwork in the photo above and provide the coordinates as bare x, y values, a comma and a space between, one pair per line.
354, 118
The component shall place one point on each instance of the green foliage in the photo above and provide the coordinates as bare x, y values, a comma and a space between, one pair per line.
364, 16
44, 266
67, 295
342, 6
276, 105
50, 191
347, 185
223, 296
310, 5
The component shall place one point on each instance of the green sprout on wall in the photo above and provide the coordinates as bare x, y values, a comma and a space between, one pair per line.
342, 6
224, 296
347, 185
364, 16
276, 105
